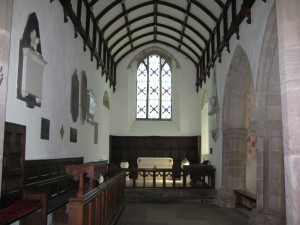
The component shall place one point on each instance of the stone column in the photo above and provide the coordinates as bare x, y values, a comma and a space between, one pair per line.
233, 165
270, 175
288, 24
5, 29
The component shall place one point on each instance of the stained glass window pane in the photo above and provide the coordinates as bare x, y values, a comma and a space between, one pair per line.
142, 80
166, 92
154, 80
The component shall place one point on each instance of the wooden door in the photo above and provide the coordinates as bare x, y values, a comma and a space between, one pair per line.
13, 163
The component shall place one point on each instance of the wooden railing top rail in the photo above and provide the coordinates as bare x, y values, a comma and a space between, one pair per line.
100, 206
101, 188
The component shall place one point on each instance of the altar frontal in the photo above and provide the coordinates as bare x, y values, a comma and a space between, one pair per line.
154, 162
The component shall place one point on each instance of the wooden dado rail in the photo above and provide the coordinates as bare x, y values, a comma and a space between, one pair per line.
101, 205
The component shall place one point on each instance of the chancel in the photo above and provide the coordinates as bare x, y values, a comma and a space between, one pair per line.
130, 91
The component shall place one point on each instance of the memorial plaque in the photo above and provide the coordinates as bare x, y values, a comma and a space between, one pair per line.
83, 96
75, 97
96, 133
73, 135
45, 129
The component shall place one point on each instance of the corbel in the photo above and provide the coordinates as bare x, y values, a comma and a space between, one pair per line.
92, 55
247, 13
237, 32
98, 63
220, 56
66, 14
226, 44
76, 29
84, 44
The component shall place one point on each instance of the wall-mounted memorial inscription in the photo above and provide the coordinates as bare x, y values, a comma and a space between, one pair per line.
96, 133
45, 129
106, 100
83, 97
215, 110
73, 135
91, 106
31, 65
75, 97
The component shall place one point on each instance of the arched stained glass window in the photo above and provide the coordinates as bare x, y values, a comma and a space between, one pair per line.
154, 97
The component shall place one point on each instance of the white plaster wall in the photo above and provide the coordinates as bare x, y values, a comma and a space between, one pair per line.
64, 54
251, 36
186, 107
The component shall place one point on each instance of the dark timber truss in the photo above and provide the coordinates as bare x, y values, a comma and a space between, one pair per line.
199, 29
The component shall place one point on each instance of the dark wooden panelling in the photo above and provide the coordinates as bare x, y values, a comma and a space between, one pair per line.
13, 163
50, 176
131, 147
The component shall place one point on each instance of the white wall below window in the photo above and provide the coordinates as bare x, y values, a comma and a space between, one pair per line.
185, 105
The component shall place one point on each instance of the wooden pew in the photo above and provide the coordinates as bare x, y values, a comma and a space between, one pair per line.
203, 175
242, 194
95, 205
49, 176
47, 189
30, 208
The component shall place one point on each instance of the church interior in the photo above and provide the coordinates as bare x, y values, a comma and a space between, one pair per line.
99, 98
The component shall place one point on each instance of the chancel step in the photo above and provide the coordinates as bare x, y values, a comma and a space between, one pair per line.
170, 195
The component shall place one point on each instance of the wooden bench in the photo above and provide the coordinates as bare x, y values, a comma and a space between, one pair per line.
47, 188
200, 175
49, 177
30, 208
242, 194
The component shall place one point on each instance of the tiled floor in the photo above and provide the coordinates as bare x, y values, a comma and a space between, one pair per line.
180, 214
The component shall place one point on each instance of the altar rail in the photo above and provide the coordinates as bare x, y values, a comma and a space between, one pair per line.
194, 176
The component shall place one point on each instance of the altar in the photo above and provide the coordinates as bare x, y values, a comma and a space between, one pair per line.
154, 162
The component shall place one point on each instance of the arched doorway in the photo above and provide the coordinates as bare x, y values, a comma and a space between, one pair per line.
235, 127
268, 127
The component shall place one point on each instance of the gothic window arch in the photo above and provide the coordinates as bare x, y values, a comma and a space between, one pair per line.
153, 89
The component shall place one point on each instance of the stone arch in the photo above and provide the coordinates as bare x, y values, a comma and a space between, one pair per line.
154, 50
268, 127
234, 125
238, 81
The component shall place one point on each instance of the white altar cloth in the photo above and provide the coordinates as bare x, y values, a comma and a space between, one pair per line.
154, 162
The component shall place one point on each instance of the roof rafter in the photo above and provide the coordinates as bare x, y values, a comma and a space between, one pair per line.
158, 41
158, 25
158, 33
199, 30
117, 30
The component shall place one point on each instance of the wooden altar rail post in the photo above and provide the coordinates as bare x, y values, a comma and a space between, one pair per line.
100, 206
202, 176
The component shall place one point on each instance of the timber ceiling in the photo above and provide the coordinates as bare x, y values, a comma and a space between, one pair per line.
199, 29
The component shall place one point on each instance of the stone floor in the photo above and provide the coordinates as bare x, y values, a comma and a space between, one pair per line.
180, 214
